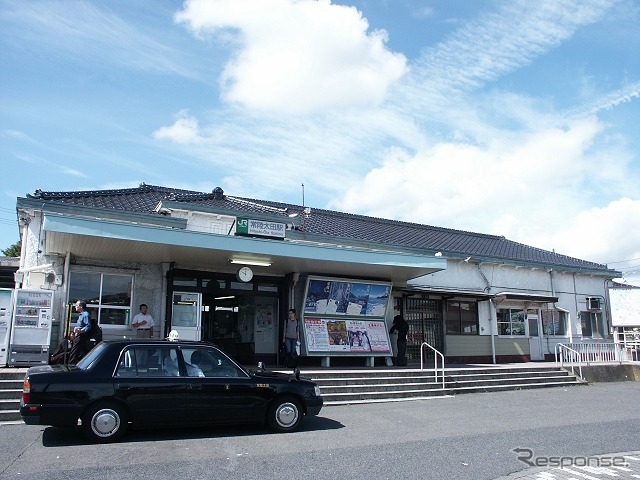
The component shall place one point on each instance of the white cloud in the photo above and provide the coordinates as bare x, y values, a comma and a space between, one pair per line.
428, 147
610, 233
298, 56
185, 130
496, 43
461, 185
16, 134
91, 34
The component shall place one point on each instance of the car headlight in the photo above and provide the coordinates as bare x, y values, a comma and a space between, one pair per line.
316, 390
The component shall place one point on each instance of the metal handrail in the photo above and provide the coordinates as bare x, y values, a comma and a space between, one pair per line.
560, 348
435, 362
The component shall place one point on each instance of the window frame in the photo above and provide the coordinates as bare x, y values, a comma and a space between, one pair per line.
562, 322
595, 319
510, 313
100, 307
460, 322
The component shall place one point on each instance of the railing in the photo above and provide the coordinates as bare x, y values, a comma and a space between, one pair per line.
569, 355
596, 352
435, 361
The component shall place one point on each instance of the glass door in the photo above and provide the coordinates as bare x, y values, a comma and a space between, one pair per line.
185, 316
535, 340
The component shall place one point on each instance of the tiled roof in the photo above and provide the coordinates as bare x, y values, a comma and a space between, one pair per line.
356, 228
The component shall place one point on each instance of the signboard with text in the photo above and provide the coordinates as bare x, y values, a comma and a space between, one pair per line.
261, 228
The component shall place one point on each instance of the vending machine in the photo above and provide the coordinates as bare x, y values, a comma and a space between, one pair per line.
31, 327
6, 307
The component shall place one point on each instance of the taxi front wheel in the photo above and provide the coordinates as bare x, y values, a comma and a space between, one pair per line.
285, 414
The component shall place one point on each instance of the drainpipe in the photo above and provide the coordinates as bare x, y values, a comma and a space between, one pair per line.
575, 299
492, 315
486, 280
166, 266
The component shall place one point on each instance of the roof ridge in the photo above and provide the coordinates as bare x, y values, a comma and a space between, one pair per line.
143, 187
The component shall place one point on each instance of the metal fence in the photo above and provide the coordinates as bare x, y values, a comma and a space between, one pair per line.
596, 352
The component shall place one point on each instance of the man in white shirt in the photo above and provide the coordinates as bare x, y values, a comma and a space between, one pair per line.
143, 323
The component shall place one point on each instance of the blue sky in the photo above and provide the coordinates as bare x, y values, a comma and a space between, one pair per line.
515, 118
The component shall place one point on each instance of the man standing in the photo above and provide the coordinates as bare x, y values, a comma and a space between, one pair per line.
80, 345
143, 323
401, 325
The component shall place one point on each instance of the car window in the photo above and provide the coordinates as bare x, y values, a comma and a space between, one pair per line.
209, 362
91, 357
148, 361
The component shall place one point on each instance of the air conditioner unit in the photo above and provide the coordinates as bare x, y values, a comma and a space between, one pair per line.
593, 303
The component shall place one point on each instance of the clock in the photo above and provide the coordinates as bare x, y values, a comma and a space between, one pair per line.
245, 274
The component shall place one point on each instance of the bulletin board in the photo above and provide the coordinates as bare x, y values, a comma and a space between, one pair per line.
345, 317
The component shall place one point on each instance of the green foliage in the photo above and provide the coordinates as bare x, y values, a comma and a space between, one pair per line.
13, 250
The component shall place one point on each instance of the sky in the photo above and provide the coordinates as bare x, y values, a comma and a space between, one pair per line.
517, 118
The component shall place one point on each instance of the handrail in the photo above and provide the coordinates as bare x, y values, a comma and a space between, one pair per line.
435, 362
559, 348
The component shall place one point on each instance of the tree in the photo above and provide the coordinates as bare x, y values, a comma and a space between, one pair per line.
13, 250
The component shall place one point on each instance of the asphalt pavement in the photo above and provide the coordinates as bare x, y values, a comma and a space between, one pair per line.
470, 436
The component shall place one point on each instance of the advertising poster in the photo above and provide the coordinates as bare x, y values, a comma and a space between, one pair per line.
316, 335
346, 317
317, 296
264, 323
328, 336
359, 337
378, 336
344, 298
378, 299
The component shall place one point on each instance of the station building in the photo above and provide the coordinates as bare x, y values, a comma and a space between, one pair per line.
226, 269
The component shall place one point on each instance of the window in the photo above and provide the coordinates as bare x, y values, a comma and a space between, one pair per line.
554, 322
208, 362
592, 324
511, 321
462, 317
108, 296
149, 361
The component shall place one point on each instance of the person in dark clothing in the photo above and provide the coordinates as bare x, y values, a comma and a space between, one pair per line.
81, 342
63, 350
402, 327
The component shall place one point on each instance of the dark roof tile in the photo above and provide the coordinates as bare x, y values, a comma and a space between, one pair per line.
322, 222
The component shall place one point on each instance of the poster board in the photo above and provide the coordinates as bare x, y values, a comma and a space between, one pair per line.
625, 307
345, 317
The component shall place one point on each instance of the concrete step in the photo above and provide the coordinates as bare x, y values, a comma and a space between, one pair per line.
10, 404
10, 416
10, 394
364, 386
356, 397
11, 384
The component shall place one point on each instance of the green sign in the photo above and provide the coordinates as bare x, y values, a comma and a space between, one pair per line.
261, 228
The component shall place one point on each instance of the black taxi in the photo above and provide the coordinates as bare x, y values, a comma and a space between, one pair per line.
157, 383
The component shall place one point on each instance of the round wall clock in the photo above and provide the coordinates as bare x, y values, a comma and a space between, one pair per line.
245, 274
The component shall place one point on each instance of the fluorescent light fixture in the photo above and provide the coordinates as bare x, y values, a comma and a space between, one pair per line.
225, 298
246, 261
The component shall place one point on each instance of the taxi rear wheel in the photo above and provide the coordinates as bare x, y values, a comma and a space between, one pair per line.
285, 414
104, 422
